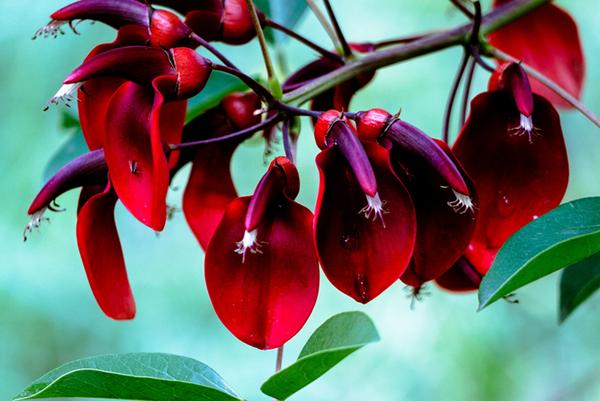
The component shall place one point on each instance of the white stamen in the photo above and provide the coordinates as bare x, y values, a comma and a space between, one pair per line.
64, 94
462, 203
248, 243
525, 127
35, 222
53, 28
374, 209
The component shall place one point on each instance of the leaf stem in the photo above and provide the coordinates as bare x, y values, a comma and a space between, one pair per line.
338, 30
547, 82
279, 360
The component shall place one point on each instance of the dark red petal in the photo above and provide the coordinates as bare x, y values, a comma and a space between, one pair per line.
136, 162
101, 253
167, 30
517, 176
167, 120
461, 277
210, 186
237, 23
185, 6
116, 13
547, 39
140, 64
266, 299
94, 96
445, 224
360, 256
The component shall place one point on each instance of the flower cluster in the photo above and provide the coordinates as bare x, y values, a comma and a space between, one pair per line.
393, 205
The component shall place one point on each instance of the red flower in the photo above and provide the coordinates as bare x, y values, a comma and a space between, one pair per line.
262, 274
512, 147
364, 218
97, 236
461, 277
443, 195
548, 40
145, 113
210, 187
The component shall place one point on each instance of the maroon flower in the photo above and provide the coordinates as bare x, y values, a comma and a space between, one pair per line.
512, 147
548, 40
262, 274
145, 113
461, 277
210, 187
97, 236
443, 195
364, 218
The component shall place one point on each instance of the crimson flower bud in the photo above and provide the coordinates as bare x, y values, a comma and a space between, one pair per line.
228, 21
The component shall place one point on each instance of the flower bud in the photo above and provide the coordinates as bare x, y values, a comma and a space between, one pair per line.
241, 107
512, 77
167, 30
193, 72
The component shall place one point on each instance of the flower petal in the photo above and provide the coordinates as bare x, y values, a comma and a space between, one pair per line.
137, 164
94, 95
265, 298
518, 176
101, 253
359, 256
547, 39
445, 218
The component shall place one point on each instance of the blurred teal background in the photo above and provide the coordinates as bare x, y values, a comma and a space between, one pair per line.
441, 350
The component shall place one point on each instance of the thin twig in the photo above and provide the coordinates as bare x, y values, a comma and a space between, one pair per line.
302, 39
458, 4
547, 82
270, 121
347, 51
264, 48
287, 142
213, 50
324, 22
460, 35
279, 360
452, 96
249, 81
467, 91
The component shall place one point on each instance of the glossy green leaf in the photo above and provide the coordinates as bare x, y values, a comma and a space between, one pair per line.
73, 147
218, 86
578, 283
560, 238
141, 376
333, 341
284, 12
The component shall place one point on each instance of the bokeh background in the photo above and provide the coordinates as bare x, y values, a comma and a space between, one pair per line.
443, 349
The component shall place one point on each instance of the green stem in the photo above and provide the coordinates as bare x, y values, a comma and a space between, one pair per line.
264, 48
324, 23
436, 41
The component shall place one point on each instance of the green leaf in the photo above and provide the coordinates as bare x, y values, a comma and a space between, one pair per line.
218, 86
73, 147
141, 376
577, 283
285, 12
560, 238
68, 120
333, 341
